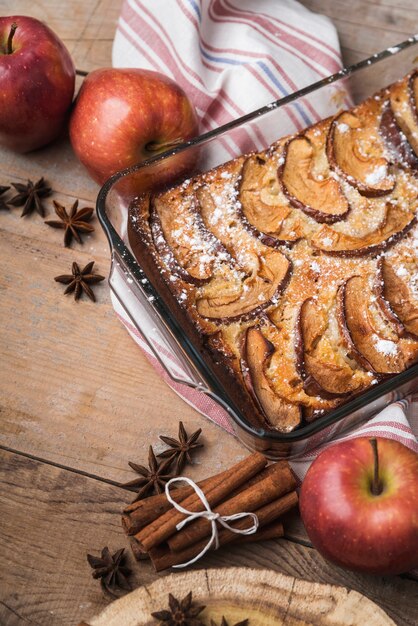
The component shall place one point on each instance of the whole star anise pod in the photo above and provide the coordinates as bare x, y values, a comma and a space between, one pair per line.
180, 449
152, 478
244, 622
74, 222
80, 280
110, 569
3, 204
182, 613
29, 195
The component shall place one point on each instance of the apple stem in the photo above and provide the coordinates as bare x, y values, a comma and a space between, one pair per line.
9, 48
376, 484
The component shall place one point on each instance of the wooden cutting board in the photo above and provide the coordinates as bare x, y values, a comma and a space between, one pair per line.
266, 598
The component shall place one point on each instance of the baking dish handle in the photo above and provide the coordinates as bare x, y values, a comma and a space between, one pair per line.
138, 306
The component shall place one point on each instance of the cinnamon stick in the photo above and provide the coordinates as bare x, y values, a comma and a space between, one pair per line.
162, 557
152, 501
137, 551
143, 512
162, 528
266, 514
279, 481
272, 531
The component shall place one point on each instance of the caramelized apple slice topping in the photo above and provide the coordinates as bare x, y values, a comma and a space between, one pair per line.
317, 195
280, 414
397, 297
403, 101
180, 241
369, 334
396, 140
232, 298
262, 206
355, 151
397, 223
323, 370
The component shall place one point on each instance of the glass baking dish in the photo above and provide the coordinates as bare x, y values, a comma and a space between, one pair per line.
156, 315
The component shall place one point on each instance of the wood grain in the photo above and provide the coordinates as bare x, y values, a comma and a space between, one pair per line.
51, 518
367, 26
73, 364
261, 596
75, 390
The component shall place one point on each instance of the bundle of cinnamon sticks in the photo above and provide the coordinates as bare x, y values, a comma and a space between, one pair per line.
249, 486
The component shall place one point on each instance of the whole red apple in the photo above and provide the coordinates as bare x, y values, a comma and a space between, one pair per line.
124, 116
37, 78
359, 504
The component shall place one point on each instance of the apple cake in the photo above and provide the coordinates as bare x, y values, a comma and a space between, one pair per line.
295, 268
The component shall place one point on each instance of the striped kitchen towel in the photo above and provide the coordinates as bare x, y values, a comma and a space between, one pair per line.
231, 57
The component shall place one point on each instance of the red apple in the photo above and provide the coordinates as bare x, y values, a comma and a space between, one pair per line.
124, 116
37, 78
359, 504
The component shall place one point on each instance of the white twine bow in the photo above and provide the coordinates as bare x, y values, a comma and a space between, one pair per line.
209, 515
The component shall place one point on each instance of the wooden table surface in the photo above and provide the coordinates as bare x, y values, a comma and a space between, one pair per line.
77, 397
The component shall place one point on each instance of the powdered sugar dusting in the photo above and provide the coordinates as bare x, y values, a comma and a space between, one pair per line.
377, 175
386, 347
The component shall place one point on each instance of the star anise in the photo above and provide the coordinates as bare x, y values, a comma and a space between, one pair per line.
182, 613
110, 569
29, 195
152, 478
74, 222
180, 449
3, 204
244, 622
80, 280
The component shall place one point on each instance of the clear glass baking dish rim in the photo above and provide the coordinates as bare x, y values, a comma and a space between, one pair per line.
118, 247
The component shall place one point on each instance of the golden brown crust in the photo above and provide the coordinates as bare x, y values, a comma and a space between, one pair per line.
296, 268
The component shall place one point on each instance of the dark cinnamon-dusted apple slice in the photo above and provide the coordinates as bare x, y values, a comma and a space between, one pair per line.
261, 208
384, 302
370, 336
396, 224
403, 101
280, 415
323, 371
397, 298
396, 140
320, 197
355, 151
183, 248
221, 302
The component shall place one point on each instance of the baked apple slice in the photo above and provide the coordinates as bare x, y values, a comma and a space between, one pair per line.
262, 207
384, 302
403, 101
217, 206
313, 192
397, 298
397, 222
231, 298
179, 240
370, 336
280, 414
323, 369
356, 152
395, 139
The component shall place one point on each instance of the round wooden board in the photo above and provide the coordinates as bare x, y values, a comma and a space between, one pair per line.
266, 598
